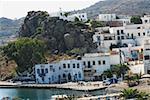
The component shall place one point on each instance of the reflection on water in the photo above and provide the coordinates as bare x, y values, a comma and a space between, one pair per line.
41, 94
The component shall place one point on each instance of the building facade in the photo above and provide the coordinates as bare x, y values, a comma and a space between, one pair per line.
94, 65
63, 71
147, 57
106, 17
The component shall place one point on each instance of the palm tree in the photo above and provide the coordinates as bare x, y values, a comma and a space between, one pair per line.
120, 69
134, 93
129, 93
143, 96
108, 73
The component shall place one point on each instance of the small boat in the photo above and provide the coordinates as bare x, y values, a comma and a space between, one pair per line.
58, 97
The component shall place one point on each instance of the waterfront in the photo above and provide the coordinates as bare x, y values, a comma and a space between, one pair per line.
41, 94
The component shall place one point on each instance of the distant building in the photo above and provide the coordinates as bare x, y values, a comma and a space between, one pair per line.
106, 17
134, 34
146, 19
70, 17
114, 20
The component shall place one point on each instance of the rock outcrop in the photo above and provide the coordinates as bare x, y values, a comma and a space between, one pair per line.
59, 35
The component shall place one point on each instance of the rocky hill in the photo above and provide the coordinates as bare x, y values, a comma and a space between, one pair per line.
129, 7
9, 26
59, 35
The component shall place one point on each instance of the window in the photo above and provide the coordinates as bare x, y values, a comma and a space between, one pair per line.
99, 62
84, 63
79, 74
64, 76
118, 33
138, 27
38, 71
118, 37
104, 62
46, 70
122, 32
74, 65
64, 65
128, 34
42, 70
89, 64
98, 38
78, 65
53, 70
68, 65
147, 57
146, 21
144, 33
82, 15
59, 68
52, 78
93, 62
122, 37
138, 34
51, 67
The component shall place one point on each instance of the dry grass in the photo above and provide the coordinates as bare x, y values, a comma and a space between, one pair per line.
7, 68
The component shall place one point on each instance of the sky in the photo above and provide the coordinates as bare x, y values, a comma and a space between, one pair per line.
19, 8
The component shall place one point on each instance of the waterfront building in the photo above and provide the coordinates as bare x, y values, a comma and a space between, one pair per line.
46, 73
94, 65
63, 71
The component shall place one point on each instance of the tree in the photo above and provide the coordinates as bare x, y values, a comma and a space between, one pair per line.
129, 93
26, 52
136, 20
108, 73
66, 14
120, 69
134, 94
95, 24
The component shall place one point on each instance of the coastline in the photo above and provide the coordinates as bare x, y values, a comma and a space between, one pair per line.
66, 86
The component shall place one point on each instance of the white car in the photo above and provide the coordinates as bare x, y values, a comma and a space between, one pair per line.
106, 82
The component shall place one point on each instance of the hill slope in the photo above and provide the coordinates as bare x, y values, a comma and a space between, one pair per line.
9, 26
129, 7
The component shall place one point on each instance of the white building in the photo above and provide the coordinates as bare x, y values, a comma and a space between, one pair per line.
106, 17
147, 57
63, 71
70, 17
46, 73
95, 64
113, 17
80, 16
90, 67
134, 34
146, 19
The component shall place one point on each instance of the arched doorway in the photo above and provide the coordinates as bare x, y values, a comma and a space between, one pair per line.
69, 77
59, 78
64, 78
